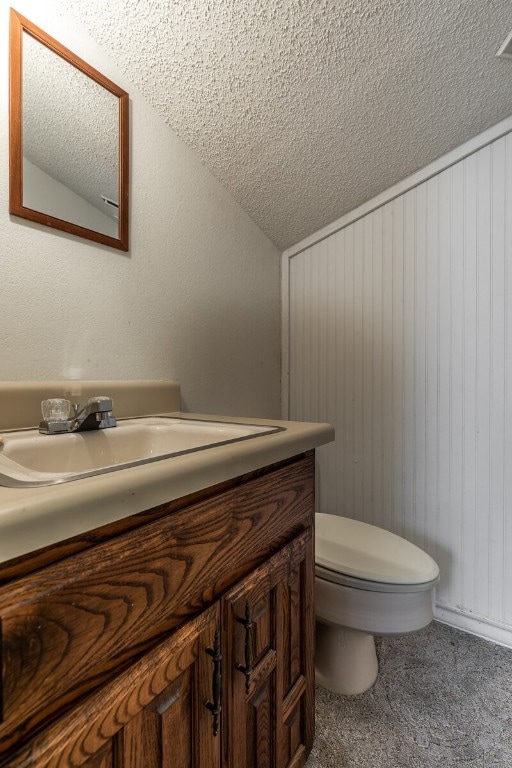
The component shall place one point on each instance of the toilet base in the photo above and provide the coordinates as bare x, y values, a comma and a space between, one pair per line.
345, 659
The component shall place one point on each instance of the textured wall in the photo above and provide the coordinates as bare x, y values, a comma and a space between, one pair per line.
196, 299
401, 336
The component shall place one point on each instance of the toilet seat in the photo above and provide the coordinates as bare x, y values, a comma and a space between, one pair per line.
335, 577
360, 555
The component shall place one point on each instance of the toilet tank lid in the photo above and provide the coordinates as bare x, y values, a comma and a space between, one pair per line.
367, 552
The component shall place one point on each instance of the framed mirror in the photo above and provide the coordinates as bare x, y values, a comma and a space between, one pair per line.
69, 140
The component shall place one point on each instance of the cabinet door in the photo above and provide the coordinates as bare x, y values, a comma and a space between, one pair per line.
159, 712
268, 648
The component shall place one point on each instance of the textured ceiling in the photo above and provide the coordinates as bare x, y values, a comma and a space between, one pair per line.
304, 109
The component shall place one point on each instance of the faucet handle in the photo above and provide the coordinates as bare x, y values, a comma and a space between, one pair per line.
55, 416
55, 409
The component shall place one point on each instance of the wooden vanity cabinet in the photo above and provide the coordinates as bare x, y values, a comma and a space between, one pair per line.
119, 656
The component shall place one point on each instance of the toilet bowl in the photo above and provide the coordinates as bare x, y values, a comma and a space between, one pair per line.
368, 582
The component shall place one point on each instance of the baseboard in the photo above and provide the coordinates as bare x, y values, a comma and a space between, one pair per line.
495, 632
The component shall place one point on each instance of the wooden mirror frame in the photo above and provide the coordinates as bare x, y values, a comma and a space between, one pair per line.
18, 25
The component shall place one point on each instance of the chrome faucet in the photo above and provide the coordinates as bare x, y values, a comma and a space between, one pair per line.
95, 414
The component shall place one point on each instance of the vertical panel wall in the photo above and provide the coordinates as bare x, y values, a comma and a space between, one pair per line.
400, 334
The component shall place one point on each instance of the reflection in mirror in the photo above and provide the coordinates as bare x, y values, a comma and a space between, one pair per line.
70, 157
69, 140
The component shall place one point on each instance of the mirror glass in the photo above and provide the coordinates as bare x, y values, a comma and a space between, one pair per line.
69, 137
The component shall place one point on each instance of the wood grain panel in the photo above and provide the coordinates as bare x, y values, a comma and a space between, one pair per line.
67, 628
261, 629
270, 694
101, 760
125, 716
260, 727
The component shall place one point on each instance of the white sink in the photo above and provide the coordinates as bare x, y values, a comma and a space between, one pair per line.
28, 458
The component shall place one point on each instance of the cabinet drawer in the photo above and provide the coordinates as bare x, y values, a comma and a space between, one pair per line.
70, 627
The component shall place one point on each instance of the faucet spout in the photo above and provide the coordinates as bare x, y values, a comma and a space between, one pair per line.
96, 414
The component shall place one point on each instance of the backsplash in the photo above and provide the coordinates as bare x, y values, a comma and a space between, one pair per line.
20, 401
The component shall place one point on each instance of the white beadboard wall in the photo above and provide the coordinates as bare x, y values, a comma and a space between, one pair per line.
399, 332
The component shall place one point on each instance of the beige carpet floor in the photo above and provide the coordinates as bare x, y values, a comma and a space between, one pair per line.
442, 698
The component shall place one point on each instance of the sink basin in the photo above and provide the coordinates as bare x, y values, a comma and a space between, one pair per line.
28, 458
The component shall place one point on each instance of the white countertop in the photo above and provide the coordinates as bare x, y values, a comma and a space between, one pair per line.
32, 518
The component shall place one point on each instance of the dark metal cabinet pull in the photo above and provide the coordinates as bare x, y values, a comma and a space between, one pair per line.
214, 706
246, 622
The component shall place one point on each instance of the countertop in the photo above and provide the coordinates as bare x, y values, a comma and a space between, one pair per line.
32, 518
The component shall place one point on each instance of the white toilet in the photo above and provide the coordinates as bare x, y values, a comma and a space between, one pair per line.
368, 582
